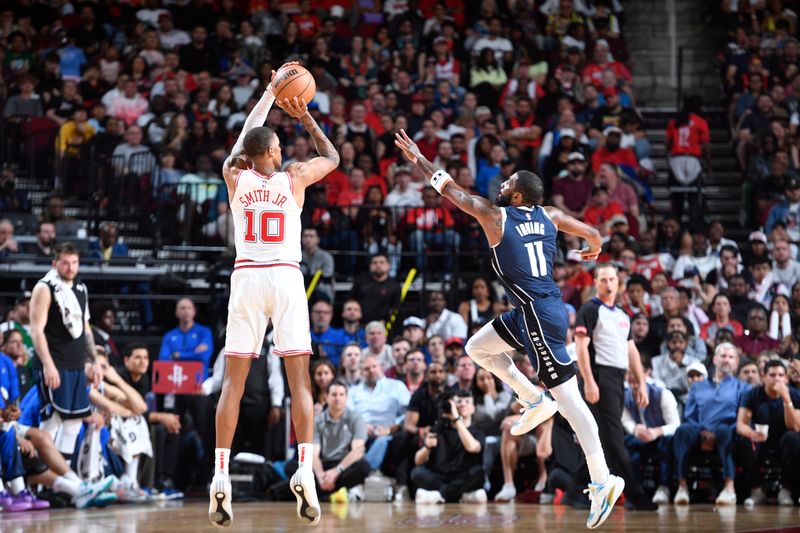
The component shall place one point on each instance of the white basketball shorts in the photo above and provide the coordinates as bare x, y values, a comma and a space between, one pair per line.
260, 291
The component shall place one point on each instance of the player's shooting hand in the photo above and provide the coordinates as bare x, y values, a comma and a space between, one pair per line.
409, 147
296, 108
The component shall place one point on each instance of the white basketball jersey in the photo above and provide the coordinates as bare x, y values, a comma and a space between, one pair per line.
266, 218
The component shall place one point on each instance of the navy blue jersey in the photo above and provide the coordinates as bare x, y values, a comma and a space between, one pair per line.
523, 260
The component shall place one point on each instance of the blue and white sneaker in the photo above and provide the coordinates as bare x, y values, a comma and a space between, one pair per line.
534, 414
603, 498
92, 491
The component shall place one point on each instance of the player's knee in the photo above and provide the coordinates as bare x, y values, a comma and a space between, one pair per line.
475, 351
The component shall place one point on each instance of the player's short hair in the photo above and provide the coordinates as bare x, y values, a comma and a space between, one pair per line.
66, 248
258, 140
530, 186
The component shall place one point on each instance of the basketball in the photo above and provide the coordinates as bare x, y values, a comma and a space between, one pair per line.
291, 81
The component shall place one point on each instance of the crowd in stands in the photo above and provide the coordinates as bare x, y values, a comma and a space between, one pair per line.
157, 91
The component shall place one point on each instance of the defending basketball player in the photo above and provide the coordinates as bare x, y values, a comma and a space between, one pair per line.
267, 284
522, 235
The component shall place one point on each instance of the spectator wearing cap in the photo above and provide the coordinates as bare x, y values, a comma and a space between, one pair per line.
755, 339
765, 285
414, 332
601, 210
787, 212
571, 193
777, 407
602, 60
607, 115
612, 153
443, 321
696, 372
649, 431
670, 366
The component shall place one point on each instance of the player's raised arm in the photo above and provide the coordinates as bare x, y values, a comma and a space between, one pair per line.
319, 167
573, 226
487, 214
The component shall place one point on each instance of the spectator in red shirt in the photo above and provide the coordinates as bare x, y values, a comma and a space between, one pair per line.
431, 224
428, 142
687, 139
308, 24
611, 152
353, 194
602, 60
619, 191
755, 340
601, 210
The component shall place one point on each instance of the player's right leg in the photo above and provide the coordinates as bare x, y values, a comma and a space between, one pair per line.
220, 510
488, 349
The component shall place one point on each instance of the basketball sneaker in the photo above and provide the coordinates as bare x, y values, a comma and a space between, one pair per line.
534, 414
304, 489
92, 492
603, 498
220, 511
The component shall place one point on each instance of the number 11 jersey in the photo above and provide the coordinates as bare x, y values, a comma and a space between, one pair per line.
266, 219
523, 259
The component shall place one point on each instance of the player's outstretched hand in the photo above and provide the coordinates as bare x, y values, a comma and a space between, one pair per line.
296, 108
587, 254
409, 147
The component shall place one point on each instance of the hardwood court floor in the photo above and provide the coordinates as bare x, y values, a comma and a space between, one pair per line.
190, 517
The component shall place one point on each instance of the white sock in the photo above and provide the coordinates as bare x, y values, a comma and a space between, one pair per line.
132, 469
67, 486
579, 416
72, 476
16, 485
222, 456
305, 454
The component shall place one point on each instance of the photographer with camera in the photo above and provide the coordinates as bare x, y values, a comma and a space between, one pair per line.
449, 464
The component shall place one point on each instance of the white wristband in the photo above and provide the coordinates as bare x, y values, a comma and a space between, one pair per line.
440, 179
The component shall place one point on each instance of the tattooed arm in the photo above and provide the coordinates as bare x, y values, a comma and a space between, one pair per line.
312, 171
489, 216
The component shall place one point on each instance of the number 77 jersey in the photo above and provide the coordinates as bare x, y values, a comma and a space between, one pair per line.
523, 259
266, 219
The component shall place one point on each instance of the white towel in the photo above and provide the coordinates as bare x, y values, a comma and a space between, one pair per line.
71, 312
779, 326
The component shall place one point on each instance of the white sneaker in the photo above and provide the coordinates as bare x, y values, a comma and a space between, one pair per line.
424, 497
356, 494
304, 489
661, 497
682, 496
475, 496
507, 493
603, 498
90, 491
534, 414
785, 498
220, 511
726, 497
401, 494
757, 497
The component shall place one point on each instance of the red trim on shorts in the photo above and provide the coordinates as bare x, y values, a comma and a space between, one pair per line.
290, 353
242, 355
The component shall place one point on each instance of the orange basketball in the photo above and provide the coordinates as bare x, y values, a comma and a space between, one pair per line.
291, 81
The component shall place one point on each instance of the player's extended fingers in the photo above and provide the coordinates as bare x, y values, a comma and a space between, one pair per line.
406, 137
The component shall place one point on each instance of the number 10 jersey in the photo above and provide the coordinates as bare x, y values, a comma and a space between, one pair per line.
266, 219
523, 259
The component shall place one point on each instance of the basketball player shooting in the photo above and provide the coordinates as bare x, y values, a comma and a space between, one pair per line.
522, 235
267, 284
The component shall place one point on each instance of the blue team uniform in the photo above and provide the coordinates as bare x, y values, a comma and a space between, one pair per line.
523, 262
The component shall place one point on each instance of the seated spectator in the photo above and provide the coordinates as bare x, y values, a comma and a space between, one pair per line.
716, 239
382, 402
350, 373
764, 286
649, 431
749, 373
492, 402
721, 309
340, 433
646, 343
571, 193
377, 292
26, 103
755, 340
785, 269
669, 368
464, 373
129, 105
601, 210
768, 424
449, 467
431, 224
8, 245
602, 60
698, 259
327, 340
316, 259
695, 347
104, 319
651, 261
45, 241
618, 190
190, 341
443, 321
323, 373
786, 212
780, 318
481, 308
351, 323
403, 194
124, 154
709, 421
377, 344
413, 369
